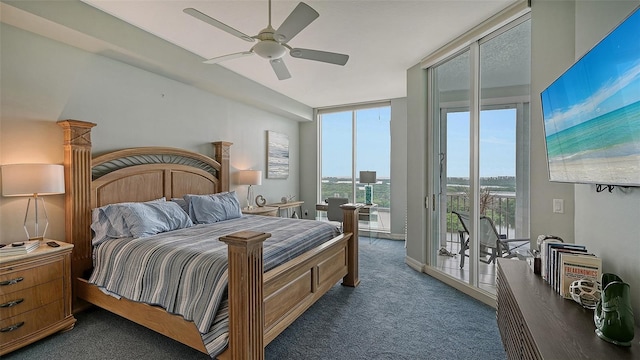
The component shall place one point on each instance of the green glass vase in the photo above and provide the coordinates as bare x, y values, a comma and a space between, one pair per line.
613, 315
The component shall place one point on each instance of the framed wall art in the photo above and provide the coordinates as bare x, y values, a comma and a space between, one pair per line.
277, 155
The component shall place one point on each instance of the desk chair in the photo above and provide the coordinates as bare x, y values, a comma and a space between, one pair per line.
492, 243
334, 211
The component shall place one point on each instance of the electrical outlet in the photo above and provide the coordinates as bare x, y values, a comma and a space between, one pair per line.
558, 206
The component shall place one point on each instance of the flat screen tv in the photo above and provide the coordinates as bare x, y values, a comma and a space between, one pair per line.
591, 113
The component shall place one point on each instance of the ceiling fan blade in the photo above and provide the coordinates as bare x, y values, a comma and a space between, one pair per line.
280, 68
317, 55
211, 21
300, 18
218, 59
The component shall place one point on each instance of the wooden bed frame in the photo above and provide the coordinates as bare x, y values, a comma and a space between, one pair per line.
261, 305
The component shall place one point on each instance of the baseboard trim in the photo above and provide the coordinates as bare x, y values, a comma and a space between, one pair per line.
414, 264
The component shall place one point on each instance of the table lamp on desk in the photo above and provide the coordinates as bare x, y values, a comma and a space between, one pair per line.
368, 177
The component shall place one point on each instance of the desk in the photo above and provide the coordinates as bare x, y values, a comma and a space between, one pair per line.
322, 206
287, 206
368, 213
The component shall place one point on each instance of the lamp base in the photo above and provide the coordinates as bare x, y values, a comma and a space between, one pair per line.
249, 198
368, 194
38, 222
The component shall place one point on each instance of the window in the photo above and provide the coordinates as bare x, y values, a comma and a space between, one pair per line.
353, 140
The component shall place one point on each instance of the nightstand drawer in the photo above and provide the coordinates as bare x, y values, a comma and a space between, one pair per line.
25, 324
28, 276
19, 302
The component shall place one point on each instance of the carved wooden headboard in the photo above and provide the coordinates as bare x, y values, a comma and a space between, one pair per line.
135, 174
142, 174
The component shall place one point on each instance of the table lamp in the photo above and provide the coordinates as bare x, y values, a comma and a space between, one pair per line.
368, 177
250, 177
34, 180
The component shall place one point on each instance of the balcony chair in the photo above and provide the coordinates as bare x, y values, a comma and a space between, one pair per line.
492, 243
334, 212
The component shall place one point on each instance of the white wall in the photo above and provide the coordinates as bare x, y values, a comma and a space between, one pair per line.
417, 159
552, 44
43, 81
309, 170
398, 167
608, 223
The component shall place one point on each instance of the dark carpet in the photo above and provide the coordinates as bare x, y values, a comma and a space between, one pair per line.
395, 313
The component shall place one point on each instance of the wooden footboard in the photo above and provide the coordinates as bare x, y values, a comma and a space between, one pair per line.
289, 290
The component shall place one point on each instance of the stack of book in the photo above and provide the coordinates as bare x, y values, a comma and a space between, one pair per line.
26, 247
564, 263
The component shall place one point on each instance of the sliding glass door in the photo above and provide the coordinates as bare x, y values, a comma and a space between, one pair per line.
480, 107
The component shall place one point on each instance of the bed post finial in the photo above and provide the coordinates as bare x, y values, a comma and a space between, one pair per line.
77, 175
246, 313
221, 155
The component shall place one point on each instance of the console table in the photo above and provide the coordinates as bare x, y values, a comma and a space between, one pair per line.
287, 206
537, 323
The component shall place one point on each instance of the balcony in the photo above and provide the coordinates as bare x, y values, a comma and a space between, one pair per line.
500, 207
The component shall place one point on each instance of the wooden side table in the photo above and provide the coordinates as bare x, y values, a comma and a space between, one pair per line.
264, 211
35, 295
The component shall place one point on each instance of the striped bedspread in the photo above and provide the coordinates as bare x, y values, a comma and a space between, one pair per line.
185, 271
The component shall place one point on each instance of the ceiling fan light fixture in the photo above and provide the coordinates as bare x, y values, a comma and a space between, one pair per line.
269, 49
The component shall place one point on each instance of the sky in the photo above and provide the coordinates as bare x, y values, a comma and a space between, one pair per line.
373, 141
497, 145
605, 79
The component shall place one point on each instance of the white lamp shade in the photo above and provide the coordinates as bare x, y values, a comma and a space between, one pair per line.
30, 179
250, 177
367, 177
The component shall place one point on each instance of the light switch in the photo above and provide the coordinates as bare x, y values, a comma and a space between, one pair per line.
558, 206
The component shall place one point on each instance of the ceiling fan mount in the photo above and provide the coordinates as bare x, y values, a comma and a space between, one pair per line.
273, 44
268, 47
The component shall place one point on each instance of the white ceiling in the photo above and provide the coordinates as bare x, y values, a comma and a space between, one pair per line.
382, 38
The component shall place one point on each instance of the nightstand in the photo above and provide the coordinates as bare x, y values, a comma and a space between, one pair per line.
35, 295
264, 211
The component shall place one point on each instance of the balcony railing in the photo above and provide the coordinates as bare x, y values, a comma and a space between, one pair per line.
499, 207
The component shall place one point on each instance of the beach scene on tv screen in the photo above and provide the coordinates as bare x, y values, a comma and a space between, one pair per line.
592, 113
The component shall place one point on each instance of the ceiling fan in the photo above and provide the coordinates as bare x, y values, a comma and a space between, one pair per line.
273, 44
